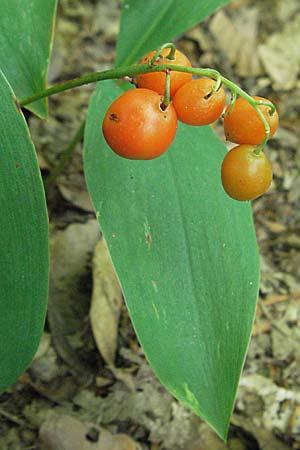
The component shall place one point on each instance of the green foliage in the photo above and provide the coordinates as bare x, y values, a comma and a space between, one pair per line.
185, 253
147, 26
26, 29
24, 243
186, 257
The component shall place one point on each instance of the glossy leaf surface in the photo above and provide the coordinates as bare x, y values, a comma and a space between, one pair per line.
145, 26
26, 29
186, 257
24, 243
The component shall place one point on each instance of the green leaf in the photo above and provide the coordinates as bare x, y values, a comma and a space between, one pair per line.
24, 243
146, 26
186, 257
26, 32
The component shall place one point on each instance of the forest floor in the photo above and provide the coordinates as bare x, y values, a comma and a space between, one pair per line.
85, 392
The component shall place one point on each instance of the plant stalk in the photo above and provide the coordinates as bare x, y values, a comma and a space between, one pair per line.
137, 69
130, 71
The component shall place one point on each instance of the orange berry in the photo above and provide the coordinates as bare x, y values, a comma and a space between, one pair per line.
196, 103
246, 174
156, 81
138, 126
244, 126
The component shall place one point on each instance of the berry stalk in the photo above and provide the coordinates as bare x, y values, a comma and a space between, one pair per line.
137, 69
170, 56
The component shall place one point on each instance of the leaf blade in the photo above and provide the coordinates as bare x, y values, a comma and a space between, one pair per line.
24, 243
25, 45
186, 256
142, 29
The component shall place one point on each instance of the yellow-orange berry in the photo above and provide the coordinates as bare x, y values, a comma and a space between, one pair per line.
243, 124
137, 125
245, 174
156, 81
196, 103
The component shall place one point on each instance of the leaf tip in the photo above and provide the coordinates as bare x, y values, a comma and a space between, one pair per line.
219, 424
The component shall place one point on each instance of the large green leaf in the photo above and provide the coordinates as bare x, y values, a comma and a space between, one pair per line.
24, 243
26, 30
186, 256
145, 26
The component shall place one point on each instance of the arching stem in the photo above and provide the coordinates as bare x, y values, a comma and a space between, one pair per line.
170, 56
218, 83
138, 69
231, 104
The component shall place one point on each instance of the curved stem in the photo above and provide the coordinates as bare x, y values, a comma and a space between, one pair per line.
137, 69
170, 56
236, 90
267, 103
231, 105
255, 104
218, 84
260, 147
113, 74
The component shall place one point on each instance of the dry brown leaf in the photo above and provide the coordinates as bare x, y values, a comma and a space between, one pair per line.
238, 40
43, 163
265, 438
272, 226
63, 432
210, 441
71, 250
106, 303
116, 442
281, 57
278, 403
73, 188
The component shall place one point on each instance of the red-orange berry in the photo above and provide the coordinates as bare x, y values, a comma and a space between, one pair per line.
156, 81
243, 124
196, 103
137, 125
245, 174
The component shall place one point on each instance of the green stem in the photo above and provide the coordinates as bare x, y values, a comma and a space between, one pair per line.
267, 103
111, 74
231, 104
170, 56
218, 84
260, 147
132, 71
167, 90
255, 104
65, 156
138, 69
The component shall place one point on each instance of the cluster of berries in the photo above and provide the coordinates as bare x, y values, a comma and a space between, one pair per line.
142, 123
